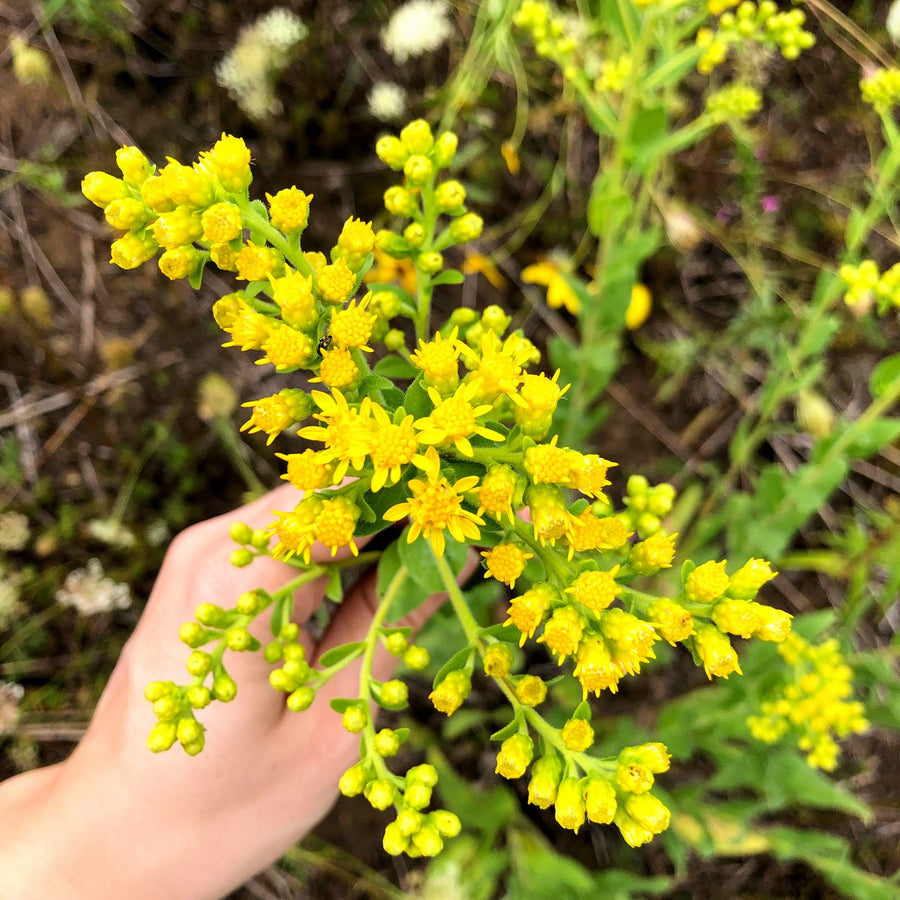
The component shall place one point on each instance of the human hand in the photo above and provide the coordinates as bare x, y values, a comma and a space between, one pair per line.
116, 821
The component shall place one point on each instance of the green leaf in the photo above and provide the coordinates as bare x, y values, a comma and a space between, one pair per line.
418, 557
342, 704
507, 730
417, 401
395, 367
449, 276
672, 69
647, 132
459, 660
867, 438
374, 384
408, 595
281, 614
337, 655
789, 779
609, 204
621, 20
830, 855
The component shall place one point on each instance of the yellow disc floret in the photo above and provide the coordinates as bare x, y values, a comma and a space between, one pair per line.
439, 361
594, 589
352, 326
335, 282
391, 446
289, 210
505, 562
338, 370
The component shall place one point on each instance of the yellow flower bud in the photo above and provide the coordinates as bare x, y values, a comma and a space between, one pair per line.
531, 690
600, 801
289, 210
707, 582
229, 162
515, 756
570, 811
578, 735
715, 651
127, 214
497, 660
101, 188
221, 223
449, 695
545, 776
133, 250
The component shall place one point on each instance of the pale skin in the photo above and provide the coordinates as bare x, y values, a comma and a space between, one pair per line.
115, 820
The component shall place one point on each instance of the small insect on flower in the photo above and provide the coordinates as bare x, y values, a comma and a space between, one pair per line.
324, 343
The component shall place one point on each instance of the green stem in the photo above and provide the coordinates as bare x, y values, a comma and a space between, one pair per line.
473, 636
365, 673
255, 222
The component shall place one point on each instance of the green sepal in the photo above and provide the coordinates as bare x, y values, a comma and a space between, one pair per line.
459, 660
686, 569
338, 654
195, 279
579, 506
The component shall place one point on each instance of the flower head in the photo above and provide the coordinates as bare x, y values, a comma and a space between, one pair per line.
391, 446
505, 562
435, 506
417, 27
439, 361
454, 420
344, 431
91, 592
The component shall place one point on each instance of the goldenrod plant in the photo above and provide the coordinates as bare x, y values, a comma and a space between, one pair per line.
448, 434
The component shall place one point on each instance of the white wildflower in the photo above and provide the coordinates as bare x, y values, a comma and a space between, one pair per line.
262, 52
10, 608
387, 101
14, 531
90, 591
415, 28
10, 695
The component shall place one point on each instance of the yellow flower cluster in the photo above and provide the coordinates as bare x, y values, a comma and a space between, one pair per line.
465, 452
761, 23
866, 283
618, 794
606, 642
812, 704
882, 90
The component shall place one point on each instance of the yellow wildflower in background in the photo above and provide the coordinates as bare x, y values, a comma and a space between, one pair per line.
549, 273
639, 307
478, 263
